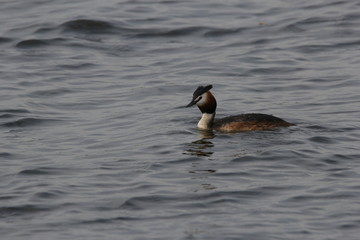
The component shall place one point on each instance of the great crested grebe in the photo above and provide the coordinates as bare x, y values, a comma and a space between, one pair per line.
206, 102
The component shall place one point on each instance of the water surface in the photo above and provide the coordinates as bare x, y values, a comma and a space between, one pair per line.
95, 144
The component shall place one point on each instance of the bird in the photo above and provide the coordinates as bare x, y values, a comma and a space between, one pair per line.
206, 102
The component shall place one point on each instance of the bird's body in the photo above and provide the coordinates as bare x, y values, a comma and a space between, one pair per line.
206, 102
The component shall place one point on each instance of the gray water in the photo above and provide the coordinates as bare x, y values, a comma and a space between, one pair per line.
95, 144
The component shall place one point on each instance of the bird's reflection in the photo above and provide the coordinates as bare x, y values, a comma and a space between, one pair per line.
206, 134
201, 146
200, 170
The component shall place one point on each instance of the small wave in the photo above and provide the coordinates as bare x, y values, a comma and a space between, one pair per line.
41, 171
34, 43
273, 70
321, 139
49, 194
14, 111
88, 26
50, 93
316, 20
188, 31
34, 172
5, 155
10, 113
6, 115
323, 5
306, 198
26, 122
292, 28
77, 67
246, 158
21, 210
103, 27
325, 47
5, 40
31, 43
223, 32
184, 31
207, 199
351, 17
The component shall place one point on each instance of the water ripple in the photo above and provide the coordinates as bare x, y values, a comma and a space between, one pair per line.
49, 93
21, 210
38, 43
88, 26
28, 122
93, 138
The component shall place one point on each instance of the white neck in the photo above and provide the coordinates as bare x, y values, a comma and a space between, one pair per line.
206, 121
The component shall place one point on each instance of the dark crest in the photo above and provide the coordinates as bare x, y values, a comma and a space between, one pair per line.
200, 90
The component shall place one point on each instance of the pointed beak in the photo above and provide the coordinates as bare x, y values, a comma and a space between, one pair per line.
192, 103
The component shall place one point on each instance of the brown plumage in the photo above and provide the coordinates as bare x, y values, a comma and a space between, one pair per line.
249, 122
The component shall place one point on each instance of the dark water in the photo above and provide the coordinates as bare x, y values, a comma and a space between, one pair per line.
95, 146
